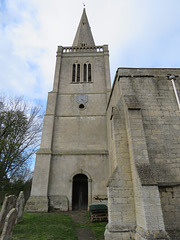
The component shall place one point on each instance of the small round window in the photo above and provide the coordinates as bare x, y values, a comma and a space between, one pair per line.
81, 106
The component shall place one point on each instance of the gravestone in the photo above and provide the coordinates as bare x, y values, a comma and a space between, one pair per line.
9, 225
8, 204
19, 207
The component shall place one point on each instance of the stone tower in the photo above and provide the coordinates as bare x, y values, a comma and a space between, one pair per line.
71, 169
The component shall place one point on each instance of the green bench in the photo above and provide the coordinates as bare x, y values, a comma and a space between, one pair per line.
98, 213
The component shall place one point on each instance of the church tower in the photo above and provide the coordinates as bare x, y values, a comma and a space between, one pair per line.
72, 166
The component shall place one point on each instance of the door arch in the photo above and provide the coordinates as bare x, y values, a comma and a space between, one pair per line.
80, 192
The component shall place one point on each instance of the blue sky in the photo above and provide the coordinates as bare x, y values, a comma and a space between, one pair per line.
140, 33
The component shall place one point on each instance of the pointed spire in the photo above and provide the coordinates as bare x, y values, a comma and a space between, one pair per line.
83, 35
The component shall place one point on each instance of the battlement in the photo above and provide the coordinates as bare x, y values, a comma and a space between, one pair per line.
83, 49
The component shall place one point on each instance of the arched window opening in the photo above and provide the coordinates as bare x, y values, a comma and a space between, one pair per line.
85, 73
78, 73
74, 73
89, 72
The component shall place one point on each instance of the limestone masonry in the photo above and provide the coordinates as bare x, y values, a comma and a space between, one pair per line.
118, 146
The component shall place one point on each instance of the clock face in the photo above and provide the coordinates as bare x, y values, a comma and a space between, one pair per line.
81, 98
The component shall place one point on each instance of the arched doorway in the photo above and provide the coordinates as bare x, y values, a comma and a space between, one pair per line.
80, 192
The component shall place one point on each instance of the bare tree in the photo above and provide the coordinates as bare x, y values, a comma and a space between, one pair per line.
20, 131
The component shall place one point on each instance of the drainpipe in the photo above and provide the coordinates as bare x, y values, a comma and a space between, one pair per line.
172, 78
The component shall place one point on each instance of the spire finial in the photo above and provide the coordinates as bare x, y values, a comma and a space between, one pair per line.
84, 5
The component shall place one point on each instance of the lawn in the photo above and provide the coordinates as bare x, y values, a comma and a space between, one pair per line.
45, 227
98, 229
49, 226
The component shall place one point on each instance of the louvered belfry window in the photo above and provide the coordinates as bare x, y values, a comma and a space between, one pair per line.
78, 73
85, 72
89, 72
80, 76
74, 73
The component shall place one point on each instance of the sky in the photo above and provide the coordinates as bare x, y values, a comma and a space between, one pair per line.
140, 33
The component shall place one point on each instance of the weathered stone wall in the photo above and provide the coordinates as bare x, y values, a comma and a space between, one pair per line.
81, 133
75, 129
65, 167
160, 116
170, 202
152, 127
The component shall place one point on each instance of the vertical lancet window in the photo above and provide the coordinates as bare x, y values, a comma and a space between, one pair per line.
89, 72
74, 73
85, 73
81, 73
78, 73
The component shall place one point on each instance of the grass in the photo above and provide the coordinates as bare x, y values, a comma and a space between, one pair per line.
45, 227
98, 229
49, 226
